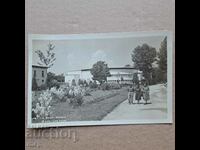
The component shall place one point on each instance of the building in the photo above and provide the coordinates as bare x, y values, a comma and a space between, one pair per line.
40, 74
118, 74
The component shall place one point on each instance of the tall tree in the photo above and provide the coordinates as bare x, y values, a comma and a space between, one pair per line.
100, 71
162, 62
135, 78
48, 58
143, 58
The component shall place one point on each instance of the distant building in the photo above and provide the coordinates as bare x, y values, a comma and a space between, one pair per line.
40, 74
118, 74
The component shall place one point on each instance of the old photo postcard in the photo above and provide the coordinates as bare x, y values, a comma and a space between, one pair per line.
99, 79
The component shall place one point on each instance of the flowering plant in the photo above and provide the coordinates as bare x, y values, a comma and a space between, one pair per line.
42, 109
60, 92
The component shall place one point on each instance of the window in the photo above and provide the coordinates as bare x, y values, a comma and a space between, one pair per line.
34, 74
42, 73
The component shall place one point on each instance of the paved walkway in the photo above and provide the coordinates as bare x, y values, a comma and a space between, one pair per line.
156, 110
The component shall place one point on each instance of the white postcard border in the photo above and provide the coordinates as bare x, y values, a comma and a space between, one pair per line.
99, 36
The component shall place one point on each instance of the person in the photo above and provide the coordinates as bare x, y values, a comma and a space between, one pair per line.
146, 93
130, 95
142, 91
138, 93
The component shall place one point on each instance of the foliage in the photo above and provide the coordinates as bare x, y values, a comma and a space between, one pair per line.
52, 80
100, 71
60, 78
93, 85
143, 57
42, 87
135, 78
76, 96
105, 86
48, 58
42, 108
162, 62
114, 85
59, 93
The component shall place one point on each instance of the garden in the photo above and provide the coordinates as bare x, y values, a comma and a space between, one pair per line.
76, 102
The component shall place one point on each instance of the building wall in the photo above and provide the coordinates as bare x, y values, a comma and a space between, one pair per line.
38, 75
116, 74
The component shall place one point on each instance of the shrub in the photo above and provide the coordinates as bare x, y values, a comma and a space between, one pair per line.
42, 107
42, 87
59, 93
105, 86
93, 85
115, 86
87, 92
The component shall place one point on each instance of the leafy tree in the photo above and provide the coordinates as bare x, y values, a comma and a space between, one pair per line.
135, 78
100, 72
51, 80
143, 58
162, 62
48, 58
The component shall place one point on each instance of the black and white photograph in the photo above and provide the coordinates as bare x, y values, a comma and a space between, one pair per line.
99, 79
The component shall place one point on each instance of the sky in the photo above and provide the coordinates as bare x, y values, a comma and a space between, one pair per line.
83, 53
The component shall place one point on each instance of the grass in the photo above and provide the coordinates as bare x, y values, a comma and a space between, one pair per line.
92, 110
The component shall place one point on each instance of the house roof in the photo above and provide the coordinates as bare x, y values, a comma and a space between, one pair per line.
36, 66
113, 68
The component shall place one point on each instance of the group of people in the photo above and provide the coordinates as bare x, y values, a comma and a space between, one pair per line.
137, 92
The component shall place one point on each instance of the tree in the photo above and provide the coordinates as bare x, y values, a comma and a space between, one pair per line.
162, 62
51, 80
143, 58
48, 58
100, 72
135, 78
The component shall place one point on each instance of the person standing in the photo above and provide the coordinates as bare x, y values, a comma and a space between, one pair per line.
130, 95
146, 93
137, 93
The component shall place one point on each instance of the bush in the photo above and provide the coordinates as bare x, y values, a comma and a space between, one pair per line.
42, 108
79, 99
87, 92
105, 86
42, 87
115, 86
93, 85
60, 93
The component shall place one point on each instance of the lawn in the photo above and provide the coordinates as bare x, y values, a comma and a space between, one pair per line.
94, 108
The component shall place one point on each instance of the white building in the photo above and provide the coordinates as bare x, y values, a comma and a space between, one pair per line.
121, 74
